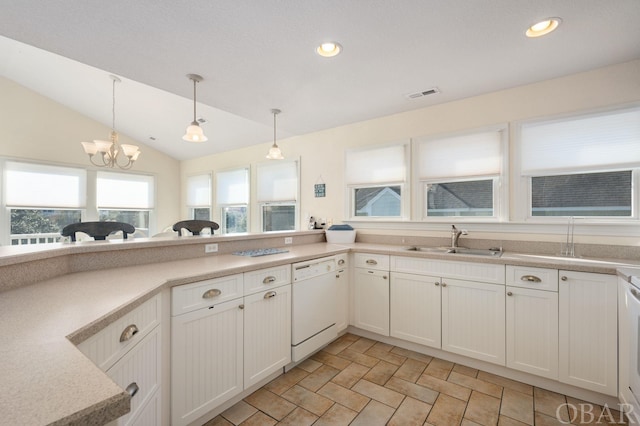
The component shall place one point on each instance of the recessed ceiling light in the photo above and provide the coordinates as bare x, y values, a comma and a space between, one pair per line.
329, 49
543, 27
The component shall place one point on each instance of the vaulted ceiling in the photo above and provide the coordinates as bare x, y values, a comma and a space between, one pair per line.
256, 55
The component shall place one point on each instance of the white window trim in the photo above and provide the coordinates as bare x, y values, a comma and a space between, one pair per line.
253, 199
405, 187
217, 211
522, 184
501, 186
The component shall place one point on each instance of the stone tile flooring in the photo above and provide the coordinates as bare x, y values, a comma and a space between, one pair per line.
358, 381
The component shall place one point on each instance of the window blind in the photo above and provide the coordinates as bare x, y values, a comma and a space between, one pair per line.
199, 190
36, 185
277, 181
601, 141
124, 191
376, 165
477, 154
232, 187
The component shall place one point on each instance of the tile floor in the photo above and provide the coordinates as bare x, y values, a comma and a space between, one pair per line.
358, 381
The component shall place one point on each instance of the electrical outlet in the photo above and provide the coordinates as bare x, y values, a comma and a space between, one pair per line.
288, 240
210, 248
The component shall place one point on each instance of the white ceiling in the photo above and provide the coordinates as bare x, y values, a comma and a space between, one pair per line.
256, 55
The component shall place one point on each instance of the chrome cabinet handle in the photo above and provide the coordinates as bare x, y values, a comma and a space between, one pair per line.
509, 293
437, 283
337, 275
635, 293
530, 279
444, 284
270, 294
241, 306
384, 277
268, 280
564, 278
371, 262
132, 389
128, 332
341, 262
209, 294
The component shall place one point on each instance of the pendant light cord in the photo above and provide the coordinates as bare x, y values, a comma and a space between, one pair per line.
274, 128
113, 107
194, 99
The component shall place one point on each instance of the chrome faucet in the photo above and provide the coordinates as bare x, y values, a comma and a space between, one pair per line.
455, 235
569, 247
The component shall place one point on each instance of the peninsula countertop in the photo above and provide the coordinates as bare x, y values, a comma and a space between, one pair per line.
47, 380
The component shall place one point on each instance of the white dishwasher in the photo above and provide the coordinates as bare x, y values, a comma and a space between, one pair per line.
314, 298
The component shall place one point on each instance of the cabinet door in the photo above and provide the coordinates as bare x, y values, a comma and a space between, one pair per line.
371, 300
532, 331
415, 308
473, 322
588, 331
138, 371
342, 294
206, 360
267, 333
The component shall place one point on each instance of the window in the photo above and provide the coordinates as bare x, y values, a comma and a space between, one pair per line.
581, 166
199, 196
376, 181
125, 198
277, 192
460, 176
42, 200
232, 197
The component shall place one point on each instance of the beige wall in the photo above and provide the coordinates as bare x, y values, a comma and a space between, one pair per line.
33, 127
322, 153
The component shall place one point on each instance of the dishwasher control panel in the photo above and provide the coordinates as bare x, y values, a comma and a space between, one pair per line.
313, 268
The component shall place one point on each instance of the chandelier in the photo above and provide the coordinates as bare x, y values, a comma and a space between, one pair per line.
111, 153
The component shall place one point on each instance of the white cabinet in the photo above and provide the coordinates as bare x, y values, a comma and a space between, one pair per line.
219, 347
138, 372
206, 359
129, 351
532, 320
473, 319
267, 333
415, 308
371, 300
588, 331
342, 293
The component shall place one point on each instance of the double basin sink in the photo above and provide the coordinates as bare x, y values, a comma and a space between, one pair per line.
491, 252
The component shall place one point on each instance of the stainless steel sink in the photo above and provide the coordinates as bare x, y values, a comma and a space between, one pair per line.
459, 250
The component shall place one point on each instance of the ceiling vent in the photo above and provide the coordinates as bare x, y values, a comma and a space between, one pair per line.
202, 120
422, 93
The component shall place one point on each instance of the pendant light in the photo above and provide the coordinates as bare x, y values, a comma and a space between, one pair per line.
274, 151
194, 131
110, 150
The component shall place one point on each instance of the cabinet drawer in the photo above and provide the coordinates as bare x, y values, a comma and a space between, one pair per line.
187, 298
138, 372
530, 277
108, 345
378, 262
266, 278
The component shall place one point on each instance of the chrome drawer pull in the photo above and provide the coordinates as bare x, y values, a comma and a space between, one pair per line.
270, 294
209, 294
132, 389
530, 279
509, 293
635, 293
341, 262
371, 262
269, 280
128, 333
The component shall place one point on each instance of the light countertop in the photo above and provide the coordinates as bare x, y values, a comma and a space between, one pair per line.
47, 380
